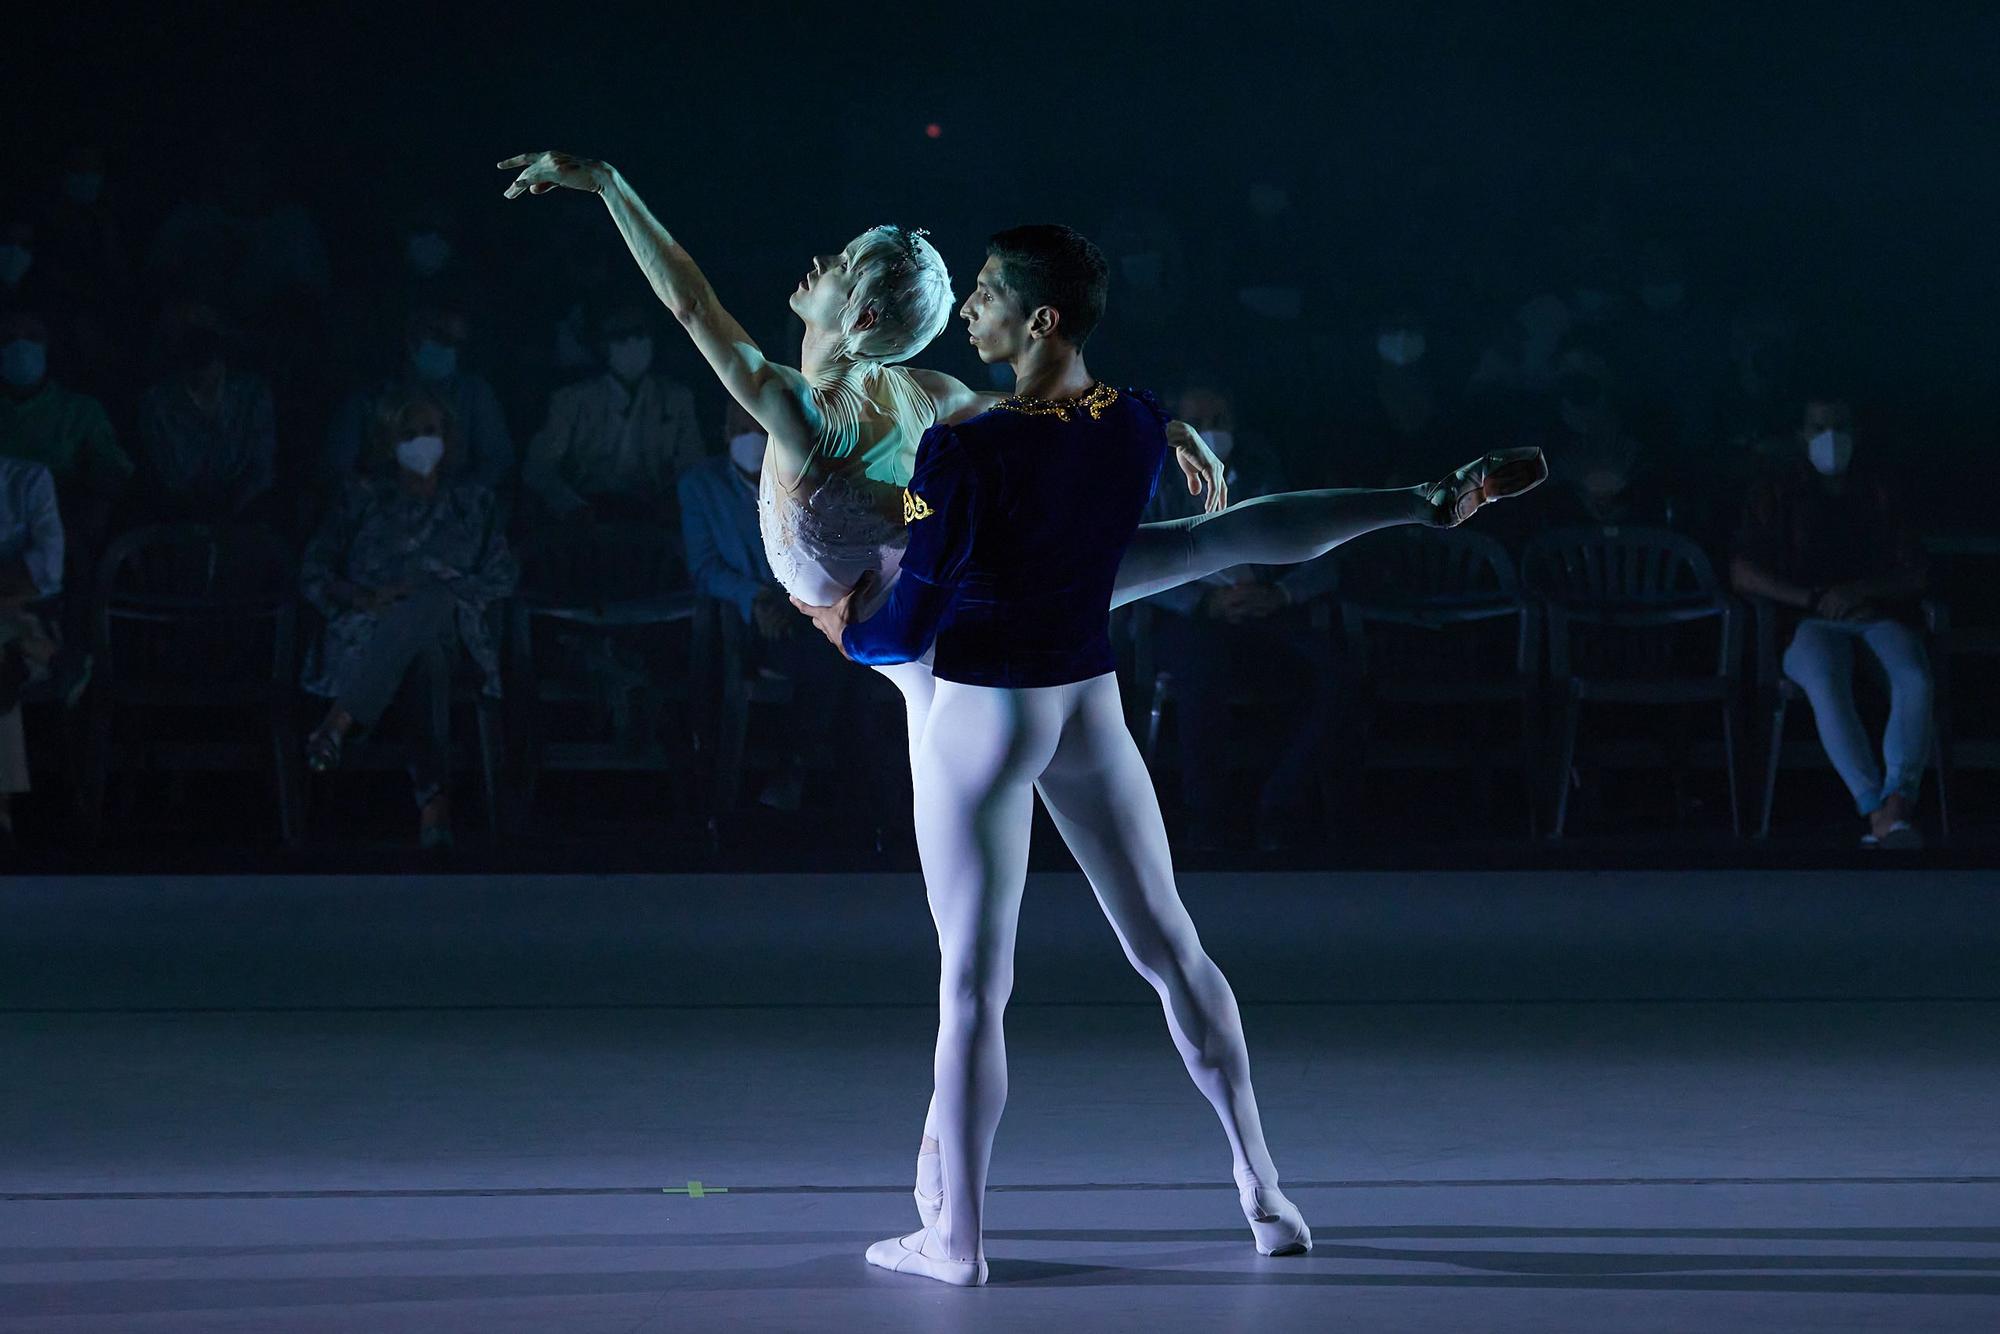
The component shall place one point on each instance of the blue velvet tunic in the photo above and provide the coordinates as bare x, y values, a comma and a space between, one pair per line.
1018, 519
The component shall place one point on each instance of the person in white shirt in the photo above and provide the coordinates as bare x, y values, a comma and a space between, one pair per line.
615, 443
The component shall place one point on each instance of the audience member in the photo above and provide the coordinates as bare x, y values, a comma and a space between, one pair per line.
1826, 539
1601, 472
433, 342
207, 434
31, 560
404, 569
614, 443
67, 433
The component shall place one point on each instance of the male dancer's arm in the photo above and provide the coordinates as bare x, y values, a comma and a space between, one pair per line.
942, 506
775, 395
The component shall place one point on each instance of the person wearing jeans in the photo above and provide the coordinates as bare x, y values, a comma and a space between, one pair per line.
1829, 544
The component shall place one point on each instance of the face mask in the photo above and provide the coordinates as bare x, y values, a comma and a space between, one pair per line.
84, 186
435, 360
428, 252
746, 451
1831, 451
420, 454
1221, 441
1662, 296
23, 362
1401, 347
630, 358
14, 262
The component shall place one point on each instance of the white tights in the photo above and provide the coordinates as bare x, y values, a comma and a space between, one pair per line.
984, 754
977, 754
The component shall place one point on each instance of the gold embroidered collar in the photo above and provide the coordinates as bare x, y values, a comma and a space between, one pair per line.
1096, 401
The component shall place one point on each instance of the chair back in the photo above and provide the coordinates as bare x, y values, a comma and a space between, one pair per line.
1441, 604
1626, 601
606, 564
196, 604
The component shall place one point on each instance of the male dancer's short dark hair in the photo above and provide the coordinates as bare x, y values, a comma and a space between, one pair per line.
1047, 264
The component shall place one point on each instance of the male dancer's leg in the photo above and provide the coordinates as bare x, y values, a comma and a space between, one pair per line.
976, 764
1101, 797
1283, 529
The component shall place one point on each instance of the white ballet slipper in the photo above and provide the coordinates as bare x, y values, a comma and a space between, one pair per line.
1274, 1220
908, 1255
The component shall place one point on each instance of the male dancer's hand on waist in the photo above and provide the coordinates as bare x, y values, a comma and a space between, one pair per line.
833, 621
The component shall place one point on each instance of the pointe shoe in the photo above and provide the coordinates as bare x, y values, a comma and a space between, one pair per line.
1504, 472
905, 1255
1274, 1220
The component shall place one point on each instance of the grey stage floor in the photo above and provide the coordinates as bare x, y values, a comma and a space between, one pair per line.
1604, 1102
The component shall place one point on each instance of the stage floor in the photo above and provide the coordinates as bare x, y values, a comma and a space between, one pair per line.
412, 1106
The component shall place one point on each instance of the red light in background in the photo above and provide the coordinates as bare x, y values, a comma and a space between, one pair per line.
933, 131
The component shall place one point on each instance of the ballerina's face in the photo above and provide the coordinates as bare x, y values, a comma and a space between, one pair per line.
994, 320
822, 296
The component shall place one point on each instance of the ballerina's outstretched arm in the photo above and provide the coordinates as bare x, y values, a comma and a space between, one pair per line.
775, 395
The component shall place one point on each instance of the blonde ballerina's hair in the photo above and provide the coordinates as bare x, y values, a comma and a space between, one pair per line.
904, 278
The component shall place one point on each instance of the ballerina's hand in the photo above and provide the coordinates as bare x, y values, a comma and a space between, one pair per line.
543, 172
1200, 464
833, 620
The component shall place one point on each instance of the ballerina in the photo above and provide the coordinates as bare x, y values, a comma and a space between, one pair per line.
844, 430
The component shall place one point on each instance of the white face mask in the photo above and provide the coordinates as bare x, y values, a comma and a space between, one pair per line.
746, 451
630, 358
1221, 440
1831, 451
420, 454
1400, 347
14, 262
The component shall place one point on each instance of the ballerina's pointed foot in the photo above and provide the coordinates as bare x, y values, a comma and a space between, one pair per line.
923, 1253
1495, 476
1274, 1220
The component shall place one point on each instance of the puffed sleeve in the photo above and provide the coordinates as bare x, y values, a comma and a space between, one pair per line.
941, 507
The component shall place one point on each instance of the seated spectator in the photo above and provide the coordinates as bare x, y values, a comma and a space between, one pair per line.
1236, 627
725, 557
1409, 430
614, 443
31, 558
433, 343
1602, 474
207, 439
67, 433
404, 568
1827, 540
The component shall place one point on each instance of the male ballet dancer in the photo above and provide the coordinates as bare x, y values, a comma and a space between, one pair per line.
1018, 520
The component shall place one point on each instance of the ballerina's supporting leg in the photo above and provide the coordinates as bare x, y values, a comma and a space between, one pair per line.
1283, 529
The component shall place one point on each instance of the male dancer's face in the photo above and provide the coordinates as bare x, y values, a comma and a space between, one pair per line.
993, 316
